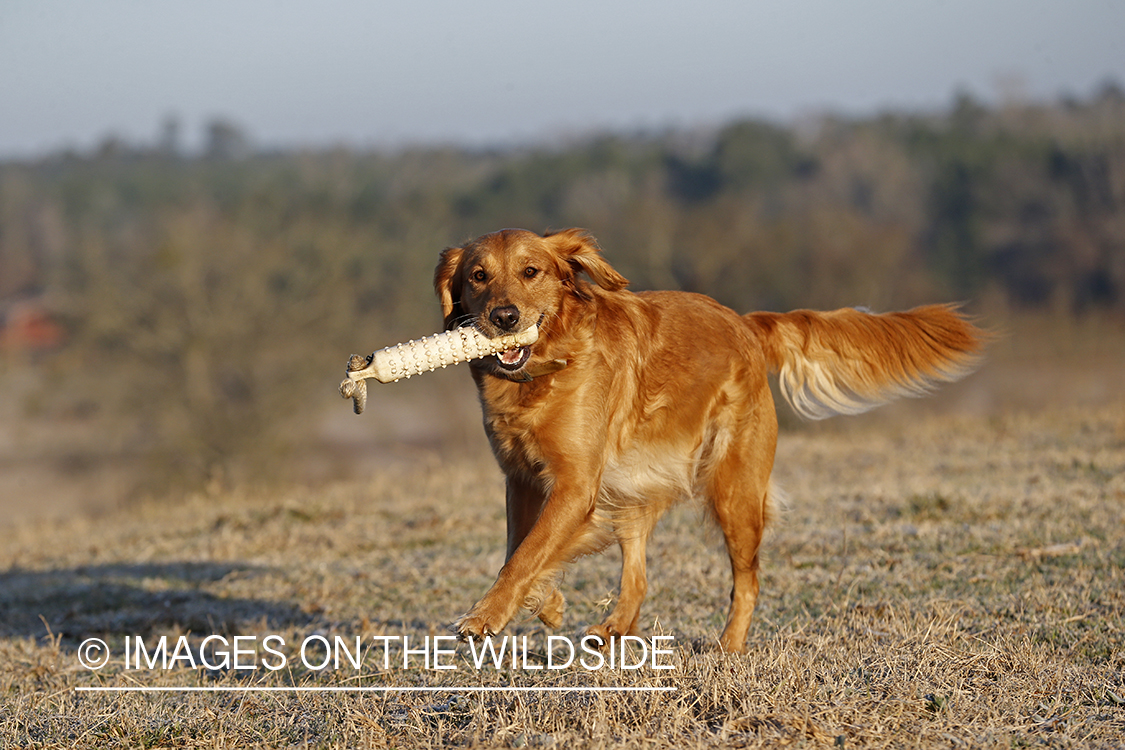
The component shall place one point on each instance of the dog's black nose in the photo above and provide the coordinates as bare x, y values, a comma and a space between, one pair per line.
505, 318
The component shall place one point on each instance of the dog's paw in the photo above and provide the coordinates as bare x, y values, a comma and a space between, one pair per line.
728, 646
602, 634
551, 613
471, 627
475, 624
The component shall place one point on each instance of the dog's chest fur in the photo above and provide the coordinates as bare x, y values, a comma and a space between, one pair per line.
535, 427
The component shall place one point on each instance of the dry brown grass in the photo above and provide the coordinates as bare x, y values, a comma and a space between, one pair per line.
937, 582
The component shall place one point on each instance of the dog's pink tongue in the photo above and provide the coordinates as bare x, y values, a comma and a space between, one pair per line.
510, 356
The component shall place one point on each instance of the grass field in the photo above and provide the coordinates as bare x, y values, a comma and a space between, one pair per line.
939, 581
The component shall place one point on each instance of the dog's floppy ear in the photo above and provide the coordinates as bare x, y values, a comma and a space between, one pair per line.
580, 252
447, 283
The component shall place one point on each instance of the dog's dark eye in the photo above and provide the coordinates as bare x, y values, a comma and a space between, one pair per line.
479, 275
530, 272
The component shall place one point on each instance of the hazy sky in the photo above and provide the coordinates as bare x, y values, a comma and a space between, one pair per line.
376, 72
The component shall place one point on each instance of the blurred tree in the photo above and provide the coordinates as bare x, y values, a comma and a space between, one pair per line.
212, 295
168, 140
225, 140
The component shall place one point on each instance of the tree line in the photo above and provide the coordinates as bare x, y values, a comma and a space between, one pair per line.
204, 291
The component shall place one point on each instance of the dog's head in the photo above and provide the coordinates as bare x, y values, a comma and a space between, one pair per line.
509, 280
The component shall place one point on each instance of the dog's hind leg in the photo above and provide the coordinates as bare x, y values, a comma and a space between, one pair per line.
742, 519
738, 490
632, 538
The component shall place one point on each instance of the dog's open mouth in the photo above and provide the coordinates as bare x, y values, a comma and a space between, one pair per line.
513, 359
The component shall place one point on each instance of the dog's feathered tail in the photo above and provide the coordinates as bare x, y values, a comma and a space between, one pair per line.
848, 361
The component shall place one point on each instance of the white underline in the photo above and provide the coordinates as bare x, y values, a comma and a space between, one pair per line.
374, 689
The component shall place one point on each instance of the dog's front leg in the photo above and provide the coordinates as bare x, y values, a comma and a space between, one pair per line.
526, 496
567, 512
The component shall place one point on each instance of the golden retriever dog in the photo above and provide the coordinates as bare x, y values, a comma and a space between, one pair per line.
629, 403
